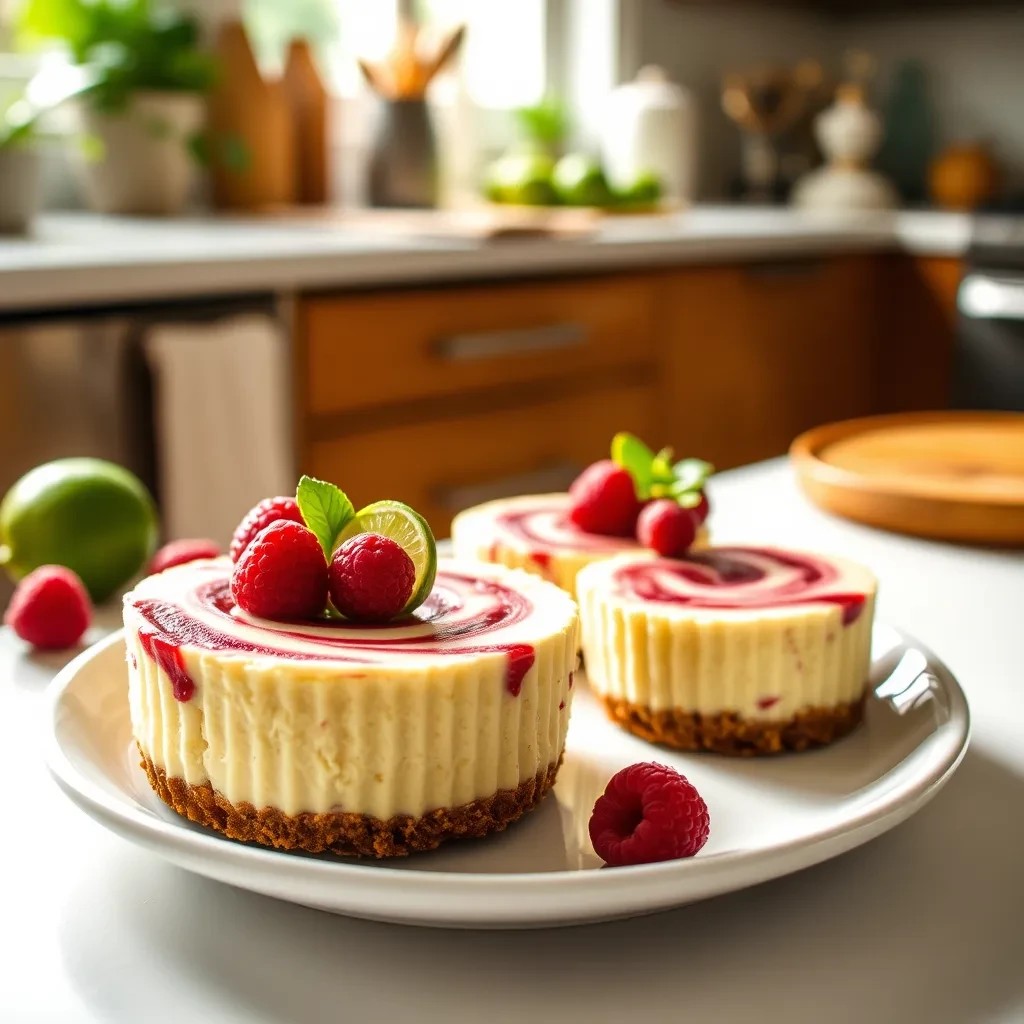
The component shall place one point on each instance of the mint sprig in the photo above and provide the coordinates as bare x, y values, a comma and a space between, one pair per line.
325, 509
655, 475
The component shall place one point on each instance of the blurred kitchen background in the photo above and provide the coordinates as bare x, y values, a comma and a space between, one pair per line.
442, 250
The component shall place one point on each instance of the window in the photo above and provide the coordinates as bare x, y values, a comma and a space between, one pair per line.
504, 62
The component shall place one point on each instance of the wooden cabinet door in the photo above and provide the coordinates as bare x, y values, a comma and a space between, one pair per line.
755, 354
444, 465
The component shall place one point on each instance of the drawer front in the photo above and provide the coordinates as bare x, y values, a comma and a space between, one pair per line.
367, 350
446, 465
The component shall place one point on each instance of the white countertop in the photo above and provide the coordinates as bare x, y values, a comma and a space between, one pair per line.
925, 924
84, 258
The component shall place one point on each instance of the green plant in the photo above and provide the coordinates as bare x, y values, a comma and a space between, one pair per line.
128, 45
545, 123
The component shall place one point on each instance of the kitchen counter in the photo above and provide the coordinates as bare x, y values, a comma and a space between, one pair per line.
76, 259
924, 924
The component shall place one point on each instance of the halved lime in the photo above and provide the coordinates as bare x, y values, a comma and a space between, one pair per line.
407, 528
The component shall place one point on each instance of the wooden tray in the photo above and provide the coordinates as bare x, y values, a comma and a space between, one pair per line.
950, 475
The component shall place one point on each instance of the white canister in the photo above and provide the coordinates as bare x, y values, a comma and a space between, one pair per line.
651, 127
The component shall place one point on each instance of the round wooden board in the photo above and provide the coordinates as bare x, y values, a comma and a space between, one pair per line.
949, 475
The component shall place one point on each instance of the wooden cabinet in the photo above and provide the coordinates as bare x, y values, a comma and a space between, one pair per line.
448, 463
755, 354
450, 396
916, 325
447, 397
388, 347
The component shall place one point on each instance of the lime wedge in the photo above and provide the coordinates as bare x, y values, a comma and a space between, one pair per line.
407, 528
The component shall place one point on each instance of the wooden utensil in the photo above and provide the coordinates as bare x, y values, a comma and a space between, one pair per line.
251, 115
407, 71
948, 475
310, 110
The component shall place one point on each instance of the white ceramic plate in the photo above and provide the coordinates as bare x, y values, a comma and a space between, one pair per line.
769, 817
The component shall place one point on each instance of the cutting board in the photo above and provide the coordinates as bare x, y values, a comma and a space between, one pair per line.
948, 475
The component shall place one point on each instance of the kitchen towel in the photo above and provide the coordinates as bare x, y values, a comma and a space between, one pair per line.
221, 396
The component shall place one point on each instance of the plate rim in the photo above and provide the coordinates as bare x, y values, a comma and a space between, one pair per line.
131, 820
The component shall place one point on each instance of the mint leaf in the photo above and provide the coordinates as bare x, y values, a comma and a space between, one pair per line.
690, 475
661, 468
637, 459
325, 509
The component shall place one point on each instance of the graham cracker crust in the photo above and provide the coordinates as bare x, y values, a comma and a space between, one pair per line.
344, 833
728, 733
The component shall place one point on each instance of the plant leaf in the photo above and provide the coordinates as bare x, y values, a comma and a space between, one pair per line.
325, 509
691, 474
661, 468
637, 459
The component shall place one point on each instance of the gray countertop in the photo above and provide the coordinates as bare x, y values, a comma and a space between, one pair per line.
77, 259
924, 924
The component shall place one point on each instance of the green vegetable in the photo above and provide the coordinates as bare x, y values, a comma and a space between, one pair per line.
325, 509
545, 123
130, 45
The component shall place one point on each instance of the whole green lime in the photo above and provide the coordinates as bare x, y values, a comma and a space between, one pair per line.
579, 181
87, 514
644, 191
522, 178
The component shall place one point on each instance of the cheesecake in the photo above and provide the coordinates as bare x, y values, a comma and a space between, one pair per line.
534, 533
325, 735
739, 650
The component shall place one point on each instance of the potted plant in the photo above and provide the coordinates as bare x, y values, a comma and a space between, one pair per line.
19, 170
142, 112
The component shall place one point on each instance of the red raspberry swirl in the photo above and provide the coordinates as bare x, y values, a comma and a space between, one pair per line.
741, 578
463, 615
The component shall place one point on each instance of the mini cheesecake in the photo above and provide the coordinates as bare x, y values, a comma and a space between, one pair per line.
738, 650
353, 739
534, 533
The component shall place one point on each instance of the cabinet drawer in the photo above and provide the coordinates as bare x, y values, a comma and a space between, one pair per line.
365, 350
445, 465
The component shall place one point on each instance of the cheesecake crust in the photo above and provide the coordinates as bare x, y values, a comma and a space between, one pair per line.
344, 833
729, 733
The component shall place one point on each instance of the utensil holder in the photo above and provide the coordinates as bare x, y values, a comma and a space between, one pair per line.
403, 156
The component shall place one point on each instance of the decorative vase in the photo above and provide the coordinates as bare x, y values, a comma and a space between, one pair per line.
848, 133
403, 156
963, 177
650, 127
139, 160
20, 191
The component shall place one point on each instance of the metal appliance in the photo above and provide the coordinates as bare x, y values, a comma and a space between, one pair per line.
988, 368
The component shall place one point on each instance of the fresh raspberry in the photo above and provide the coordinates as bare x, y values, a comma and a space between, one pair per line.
604, 500
178, 552
702, 509
648, 813
371, 578
282, 574
666, 527
50, 608
259, 517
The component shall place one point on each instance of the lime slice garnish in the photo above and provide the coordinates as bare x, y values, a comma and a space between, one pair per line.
407, 528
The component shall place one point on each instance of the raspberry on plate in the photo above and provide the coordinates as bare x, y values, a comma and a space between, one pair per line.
666, 527
648, 813
259, 517
371, 578
603, 500
50, 608
178, 552
282, 574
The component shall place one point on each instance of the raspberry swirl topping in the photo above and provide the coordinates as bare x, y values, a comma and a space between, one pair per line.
541, 524
746, 578
465, 614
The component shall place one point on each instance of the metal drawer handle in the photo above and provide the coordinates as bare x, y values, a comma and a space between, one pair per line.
511, 342
982, 297
555, 476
